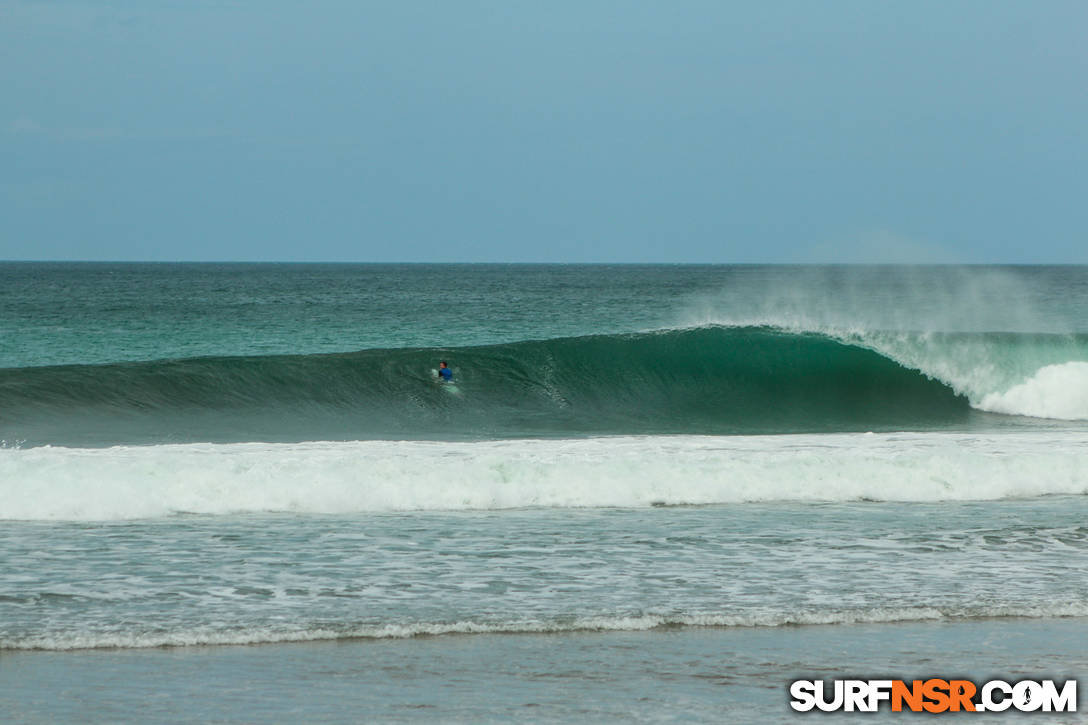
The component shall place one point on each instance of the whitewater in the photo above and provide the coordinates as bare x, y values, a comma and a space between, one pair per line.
703, 380
728, 477
122, 483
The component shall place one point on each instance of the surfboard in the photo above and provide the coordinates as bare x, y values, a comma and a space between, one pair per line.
448, 385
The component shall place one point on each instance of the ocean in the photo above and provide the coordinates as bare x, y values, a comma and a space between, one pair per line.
238, 492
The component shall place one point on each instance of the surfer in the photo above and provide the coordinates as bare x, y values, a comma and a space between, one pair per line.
444, 372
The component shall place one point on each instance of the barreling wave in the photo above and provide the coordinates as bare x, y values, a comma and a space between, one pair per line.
708, 380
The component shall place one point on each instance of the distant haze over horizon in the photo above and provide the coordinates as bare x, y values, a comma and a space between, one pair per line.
591, 132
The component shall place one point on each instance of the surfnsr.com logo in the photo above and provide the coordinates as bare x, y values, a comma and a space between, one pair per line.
933, 695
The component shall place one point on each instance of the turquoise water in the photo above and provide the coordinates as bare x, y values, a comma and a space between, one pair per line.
58, 313
93, 313
658, 493
122, 354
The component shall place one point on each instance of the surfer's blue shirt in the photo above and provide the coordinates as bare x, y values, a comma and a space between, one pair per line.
446, 374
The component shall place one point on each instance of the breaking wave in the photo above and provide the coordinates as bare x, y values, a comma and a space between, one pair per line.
47, 483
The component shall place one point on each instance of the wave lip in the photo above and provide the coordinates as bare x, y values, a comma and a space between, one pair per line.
693, 381
374, 476
707, 380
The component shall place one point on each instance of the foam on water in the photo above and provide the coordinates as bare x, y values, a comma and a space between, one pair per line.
1054, 391
204, 636
988, 333
716, 380
1041, 377
342, 477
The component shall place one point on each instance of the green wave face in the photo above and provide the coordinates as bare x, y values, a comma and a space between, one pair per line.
698, 381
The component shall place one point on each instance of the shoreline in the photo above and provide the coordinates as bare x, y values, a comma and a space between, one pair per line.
694, 674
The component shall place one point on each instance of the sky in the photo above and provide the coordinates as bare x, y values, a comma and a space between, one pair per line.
928, 131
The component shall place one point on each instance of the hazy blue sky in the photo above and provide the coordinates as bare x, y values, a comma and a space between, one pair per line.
546, 131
